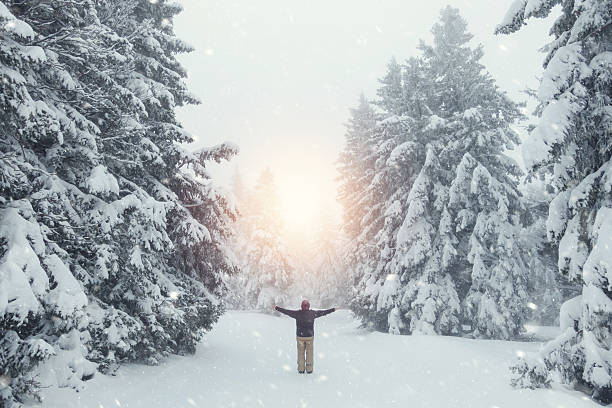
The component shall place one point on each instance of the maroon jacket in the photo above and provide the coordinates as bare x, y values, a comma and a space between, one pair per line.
304, 319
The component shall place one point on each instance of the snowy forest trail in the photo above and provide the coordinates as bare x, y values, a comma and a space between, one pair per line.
248, 360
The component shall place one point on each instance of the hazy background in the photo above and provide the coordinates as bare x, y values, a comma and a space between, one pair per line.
277, 77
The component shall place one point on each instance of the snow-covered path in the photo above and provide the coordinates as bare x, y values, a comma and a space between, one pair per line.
249, 361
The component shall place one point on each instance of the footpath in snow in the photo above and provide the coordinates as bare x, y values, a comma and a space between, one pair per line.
248, 360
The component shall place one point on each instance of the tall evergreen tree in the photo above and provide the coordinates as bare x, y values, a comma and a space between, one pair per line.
448, 192
320, 273
356, 166
124, 243
266, 258
573, 144
391, 90
471, 125
496, 302
265, 273
374, 246
361, 203
402, 152
547, 288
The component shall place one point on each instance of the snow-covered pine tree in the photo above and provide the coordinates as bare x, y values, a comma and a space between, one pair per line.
201, 215
496, 302
236, 296
381, 200
93, 178
573, 144
421, 271
171, 223
49, 157
547, 288
427, 300
320, 273
356, 166
265, 273
471, 127
391, 97
397, 154
357, 163
202, 226
407, 166
242, 286
334, 283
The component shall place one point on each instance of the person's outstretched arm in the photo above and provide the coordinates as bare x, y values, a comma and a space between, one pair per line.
319, 313
291, 313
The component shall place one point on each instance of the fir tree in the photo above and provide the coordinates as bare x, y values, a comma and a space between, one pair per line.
391, 91
496, 302
382, 198
428, 298
547, 288
572, 144
356, 166
402, 152
361, 203
265, 272
471, 120
422, 275
126, 240
320, 273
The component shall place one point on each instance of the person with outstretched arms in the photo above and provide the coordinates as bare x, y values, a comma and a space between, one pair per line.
304, 322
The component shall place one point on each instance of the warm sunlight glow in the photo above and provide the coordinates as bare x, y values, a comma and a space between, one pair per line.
301, 202
307, 193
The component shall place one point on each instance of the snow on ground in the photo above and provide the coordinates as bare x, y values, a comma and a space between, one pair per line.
249, 361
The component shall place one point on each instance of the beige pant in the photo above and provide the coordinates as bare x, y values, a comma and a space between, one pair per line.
305, 346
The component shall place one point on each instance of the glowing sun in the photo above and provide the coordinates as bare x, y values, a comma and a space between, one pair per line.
300, 202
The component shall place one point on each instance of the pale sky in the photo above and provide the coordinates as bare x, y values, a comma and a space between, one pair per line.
277, 77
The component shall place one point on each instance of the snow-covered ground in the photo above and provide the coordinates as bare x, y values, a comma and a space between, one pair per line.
249, 361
